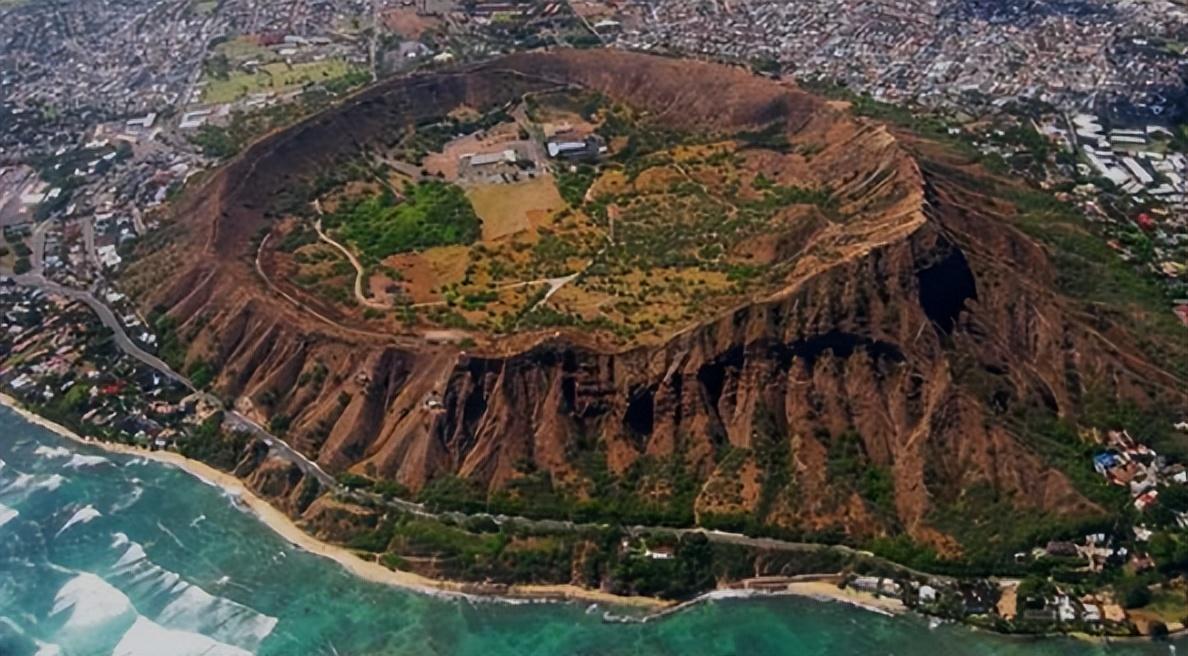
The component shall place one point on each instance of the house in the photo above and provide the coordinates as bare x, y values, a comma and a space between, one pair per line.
1045, 614
1141, 563
659, 553
877, 586
108, 256
486, 159
1103, 462
1060, 548
144, 122
1146, 499
1065, 610
589, 148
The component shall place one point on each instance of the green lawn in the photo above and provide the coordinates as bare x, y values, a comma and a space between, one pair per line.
274, 76
431, 214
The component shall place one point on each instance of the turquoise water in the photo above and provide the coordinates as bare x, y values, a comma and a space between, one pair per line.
109, 554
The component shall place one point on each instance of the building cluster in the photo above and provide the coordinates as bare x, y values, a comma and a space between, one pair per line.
1139, 165
1139, 469
1135, 160
1000, 603
941, 53
99, 200
49, 359
64, 68
91, 60
1092, 611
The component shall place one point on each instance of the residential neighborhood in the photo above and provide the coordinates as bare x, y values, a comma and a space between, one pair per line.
1078, 110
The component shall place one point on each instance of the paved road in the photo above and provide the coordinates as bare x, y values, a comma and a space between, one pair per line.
232, 417
109, 319
88, 230
282, 449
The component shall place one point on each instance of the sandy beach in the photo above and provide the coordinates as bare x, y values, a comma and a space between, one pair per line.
827, 590
284, 526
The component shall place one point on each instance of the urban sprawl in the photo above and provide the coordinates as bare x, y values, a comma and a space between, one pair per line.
107, 109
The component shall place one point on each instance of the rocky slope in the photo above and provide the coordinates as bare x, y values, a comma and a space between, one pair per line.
904, 339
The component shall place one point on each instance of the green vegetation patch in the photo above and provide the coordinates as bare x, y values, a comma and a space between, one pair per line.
209, 443
574, 184
431, 214
1089, 271
850, 468
226, 86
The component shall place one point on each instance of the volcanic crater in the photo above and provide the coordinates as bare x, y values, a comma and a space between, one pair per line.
748, 287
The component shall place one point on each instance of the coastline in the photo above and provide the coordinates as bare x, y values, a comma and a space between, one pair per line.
823, 589
826, 590
284, 526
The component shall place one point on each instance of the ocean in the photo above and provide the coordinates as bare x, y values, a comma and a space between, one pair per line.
104, 553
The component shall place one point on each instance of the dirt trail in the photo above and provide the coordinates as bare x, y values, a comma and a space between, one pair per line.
359, 270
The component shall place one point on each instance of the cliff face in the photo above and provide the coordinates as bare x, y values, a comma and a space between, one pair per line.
901, 341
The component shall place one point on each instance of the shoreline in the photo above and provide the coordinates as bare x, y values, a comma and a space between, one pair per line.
826, 590
823, 589
285, 527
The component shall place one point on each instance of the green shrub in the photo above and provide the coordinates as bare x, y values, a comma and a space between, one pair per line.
432, 214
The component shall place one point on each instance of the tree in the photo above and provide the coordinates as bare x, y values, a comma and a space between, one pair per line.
1157, 629
279, 423
1134, 594
1035, 590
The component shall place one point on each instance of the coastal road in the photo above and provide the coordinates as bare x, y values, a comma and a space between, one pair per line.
109, 319
280, 448
233, 418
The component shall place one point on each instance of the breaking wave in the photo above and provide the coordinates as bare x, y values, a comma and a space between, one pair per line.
7, 514
82, 516
93, 609
97, 614
79, 460
21, 482
145, 638
50, 483
184, 605
128, 501
51, 451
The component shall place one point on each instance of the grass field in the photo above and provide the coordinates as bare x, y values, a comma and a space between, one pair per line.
242, 49
510, 208
275, 76
1166, 606
430, 214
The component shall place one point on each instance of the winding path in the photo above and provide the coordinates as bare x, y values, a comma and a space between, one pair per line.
360, 272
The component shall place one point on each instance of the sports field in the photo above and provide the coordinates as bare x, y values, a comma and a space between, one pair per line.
275, 76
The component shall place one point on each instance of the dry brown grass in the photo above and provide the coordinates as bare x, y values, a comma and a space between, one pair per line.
507, 209
408, 23
426, 273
